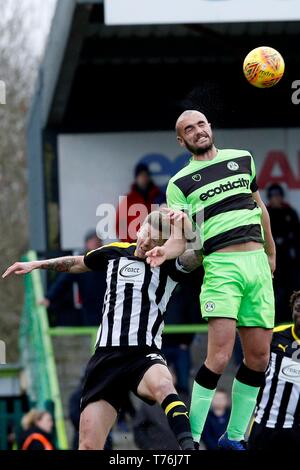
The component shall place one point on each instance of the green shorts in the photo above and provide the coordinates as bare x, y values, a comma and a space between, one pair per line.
238, 285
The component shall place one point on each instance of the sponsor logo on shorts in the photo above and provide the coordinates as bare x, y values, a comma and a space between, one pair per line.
209, 306
154, 356
130, 270
233, 166
196, 177
223, 188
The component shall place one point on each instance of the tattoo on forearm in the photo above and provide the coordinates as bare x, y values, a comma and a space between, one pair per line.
61, 265
191, 259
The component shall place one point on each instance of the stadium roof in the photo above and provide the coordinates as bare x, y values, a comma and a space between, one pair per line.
99, 78
79, 40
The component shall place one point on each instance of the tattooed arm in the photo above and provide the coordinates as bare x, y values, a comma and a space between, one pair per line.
190, 259
65, 264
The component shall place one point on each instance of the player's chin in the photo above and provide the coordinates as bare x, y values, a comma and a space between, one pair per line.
204, 146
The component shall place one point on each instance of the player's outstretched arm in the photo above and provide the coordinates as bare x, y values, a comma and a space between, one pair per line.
71, 264
181, 229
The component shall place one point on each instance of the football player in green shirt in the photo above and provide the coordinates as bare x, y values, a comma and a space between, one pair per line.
219, 192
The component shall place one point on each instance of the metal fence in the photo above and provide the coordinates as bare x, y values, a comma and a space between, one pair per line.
37, 356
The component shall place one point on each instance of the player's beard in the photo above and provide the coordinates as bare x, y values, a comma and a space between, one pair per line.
199, 150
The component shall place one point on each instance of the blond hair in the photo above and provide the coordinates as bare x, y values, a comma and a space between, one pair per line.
160, 222
31, 418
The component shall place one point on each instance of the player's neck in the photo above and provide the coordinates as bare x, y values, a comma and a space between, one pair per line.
209, 155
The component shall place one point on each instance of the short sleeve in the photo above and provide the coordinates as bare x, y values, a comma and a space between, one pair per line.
175, 197
97, 260
253, 183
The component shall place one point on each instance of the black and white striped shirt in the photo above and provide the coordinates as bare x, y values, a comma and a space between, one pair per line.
136, 296
278, 403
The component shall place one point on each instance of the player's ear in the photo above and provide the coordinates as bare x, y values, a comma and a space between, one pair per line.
180, 141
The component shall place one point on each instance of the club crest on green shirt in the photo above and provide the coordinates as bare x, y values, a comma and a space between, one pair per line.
233, 166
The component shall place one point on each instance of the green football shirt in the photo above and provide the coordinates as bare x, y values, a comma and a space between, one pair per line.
217, 194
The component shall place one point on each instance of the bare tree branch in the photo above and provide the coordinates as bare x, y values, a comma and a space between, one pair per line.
19, 61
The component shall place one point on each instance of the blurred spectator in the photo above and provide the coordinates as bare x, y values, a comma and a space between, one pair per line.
183, 308
238, 354
127, 410
217, 420
286, 232
38, 427
143, 192
74, 414
11, 437
91, 287
150, 426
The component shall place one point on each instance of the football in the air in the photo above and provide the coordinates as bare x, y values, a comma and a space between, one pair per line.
263, 67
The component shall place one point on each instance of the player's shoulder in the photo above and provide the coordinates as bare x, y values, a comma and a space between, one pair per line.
282, 340
282, 331
281, 328
122, 248
234, 153
185, 171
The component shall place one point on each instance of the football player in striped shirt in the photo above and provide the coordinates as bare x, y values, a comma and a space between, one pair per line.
218, 189
277, 415
127, 355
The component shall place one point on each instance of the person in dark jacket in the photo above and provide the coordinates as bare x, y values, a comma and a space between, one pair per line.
217, 419
151, 430
143, 194
286, 232
183, 308
38, 427
91, 287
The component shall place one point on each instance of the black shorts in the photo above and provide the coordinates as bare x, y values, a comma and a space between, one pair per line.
112, 372
263, 438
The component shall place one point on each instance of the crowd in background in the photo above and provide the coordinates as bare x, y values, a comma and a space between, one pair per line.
77, 300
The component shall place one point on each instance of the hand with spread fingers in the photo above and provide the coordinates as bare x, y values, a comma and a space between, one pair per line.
20, 268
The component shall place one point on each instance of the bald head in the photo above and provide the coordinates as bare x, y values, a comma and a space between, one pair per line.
194, 132
186, 115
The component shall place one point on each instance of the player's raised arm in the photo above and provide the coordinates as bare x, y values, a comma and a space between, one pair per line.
191, 259
270, 247
71, 264
181, 235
